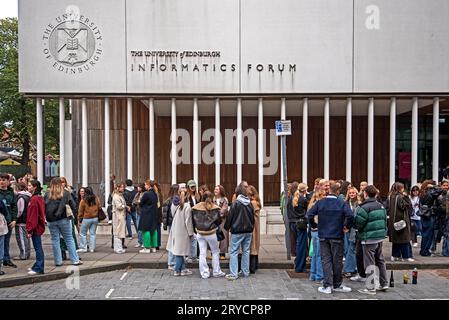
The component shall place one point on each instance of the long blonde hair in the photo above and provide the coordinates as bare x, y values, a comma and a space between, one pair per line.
56, 190
297, 193
318, 195
254, 195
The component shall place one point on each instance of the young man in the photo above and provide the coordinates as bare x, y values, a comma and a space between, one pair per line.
334, 216
129, 194
8, 198
371, 223
23, 242
240, 223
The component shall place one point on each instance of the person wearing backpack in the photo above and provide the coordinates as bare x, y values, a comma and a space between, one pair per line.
23, 200
167, 220
9, 200
129, 194
56, 201
35, 225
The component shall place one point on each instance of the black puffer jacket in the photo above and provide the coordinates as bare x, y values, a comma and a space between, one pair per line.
206, 221
241, 216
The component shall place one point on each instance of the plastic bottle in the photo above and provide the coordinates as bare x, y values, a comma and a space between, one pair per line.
415, 276
391, 280
405, 278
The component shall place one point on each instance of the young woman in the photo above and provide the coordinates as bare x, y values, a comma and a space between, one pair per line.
350, 264
181, 233
149, 217
207, 219
193, 198
159, 213
136, 204
167, 217
35, 225
399, 210
88, 217
76, 199
23, 200
253, 195
299, 204
291, 189
119, 217
415, 218
56, 214
221, 200
316, 268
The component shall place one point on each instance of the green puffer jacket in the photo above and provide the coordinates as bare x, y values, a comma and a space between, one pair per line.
10, 200
371, 220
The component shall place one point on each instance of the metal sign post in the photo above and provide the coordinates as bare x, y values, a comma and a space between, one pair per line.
283, 129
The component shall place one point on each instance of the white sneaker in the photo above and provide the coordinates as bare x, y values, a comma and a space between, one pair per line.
91, 250
120, 251
137, 245
29, 269
326, 290
110, 222
410, 260
367, 291
186, 272
81, 250
32, 273
153, 250
343, 288
145, 250
357, 278
219, 275
384, 288
394, 259
172, 268
415, 245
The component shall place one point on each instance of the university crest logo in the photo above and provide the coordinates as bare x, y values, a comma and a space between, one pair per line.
73, 43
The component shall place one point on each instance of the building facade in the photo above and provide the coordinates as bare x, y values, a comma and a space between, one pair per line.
202, 82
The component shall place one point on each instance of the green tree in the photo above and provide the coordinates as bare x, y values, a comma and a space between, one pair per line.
17, 112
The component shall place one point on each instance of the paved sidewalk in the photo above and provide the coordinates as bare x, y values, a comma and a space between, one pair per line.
272, 255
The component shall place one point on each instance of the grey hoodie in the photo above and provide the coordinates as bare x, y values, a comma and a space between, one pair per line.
243, 199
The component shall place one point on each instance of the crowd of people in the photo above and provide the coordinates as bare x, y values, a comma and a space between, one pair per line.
342, 229
339, 228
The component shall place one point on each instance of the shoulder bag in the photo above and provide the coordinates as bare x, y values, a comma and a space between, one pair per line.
401, 224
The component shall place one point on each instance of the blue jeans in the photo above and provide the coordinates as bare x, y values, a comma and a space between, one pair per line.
180, 263
418, 224
316, 267
139, 233
64, 227
427, 235
301, 247
237, 240
159, 232
38, 266
2, 248
350, 264
131, 216
91, 225
401, 250
445, 250
6, 256
170, 255
194, 247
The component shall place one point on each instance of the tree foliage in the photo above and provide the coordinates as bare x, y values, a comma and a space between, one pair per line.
18, 112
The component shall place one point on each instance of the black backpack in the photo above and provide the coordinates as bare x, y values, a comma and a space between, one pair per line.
26, 199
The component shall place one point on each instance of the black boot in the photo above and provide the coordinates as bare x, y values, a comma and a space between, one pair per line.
64, 255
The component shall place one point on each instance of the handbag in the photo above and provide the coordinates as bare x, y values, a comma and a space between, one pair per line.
401, 224
3, 225
101, 215
68, 212
220, 234
301, 224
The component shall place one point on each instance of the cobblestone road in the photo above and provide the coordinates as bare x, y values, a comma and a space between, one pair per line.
266, 284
